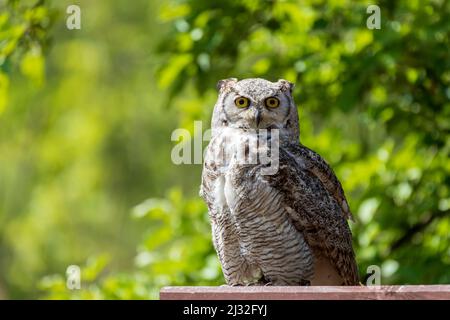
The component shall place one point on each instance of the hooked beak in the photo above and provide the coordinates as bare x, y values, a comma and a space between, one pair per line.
257, 117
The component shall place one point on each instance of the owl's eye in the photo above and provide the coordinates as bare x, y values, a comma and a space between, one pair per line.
272, 102
242, 102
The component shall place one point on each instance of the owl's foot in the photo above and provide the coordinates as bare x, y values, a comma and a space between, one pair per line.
231, 285
255, 284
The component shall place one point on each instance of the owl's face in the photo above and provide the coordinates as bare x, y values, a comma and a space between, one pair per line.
255, 104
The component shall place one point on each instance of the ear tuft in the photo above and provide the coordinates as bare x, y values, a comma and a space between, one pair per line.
286, 85
224, 84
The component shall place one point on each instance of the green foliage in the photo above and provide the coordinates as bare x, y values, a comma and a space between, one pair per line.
86, 119
176, 250
24, 39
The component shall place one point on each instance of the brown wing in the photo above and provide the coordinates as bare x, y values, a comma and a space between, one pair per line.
315, 164
316, 212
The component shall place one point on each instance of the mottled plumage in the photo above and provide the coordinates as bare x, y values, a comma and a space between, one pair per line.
287, 228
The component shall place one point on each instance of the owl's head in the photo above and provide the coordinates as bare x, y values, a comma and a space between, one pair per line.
256, 104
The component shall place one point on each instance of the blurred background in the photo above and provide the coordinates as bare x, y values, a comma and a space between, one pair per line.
86, 118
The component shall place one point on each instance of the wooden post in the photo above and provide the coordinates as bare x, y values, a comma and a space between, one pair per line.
440, 292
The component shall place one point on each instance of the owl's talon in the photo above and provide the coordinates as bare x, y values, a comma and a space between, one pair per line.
251, 284
235, 285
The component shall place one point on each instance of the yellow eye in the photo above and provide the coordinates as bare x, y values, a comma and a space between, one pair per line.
242, 102
272, 102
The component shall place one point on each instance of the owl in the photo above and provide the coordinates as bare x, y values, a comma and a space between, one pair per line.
285, 227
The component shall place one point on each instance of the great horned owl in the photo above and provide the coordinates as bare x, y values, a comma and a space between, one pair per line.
285, 228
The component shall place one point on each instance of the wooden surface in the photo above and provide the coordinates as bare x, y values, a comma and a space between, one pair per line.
306, 293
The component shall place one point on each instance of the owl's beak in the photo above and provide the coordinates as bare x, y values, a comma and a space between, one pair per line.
257, 117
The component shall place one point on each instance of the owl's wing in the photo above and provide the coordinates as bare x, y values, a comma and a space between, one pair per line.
315, 164
315, 212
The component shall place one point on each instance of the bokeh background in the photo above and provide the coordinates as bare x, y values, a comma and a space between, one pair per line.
86, 118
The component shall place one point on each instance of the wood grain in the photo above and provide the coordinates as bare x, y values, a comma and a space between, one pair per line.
416, 292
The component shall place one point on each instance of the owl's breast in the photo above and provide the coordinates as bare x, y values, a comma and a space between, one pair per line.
244, 205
